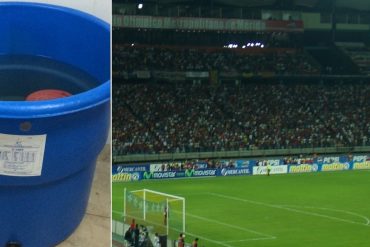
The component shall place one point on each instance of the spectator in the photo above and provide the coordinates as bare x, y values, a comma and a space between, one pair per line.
132, 225
136, 235
157, 242
195, 242
168, 118
128, 237
181, 240
127, 58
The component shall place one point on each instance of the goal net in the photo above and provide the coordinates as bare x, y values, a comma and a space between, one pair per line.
159, 212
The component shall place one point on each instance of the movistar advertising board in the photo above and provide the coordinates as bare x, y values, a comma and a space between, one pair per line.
164, 175
201, 173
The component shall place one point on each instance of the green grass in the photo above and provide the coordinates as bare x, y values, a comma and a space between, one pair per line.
317, 209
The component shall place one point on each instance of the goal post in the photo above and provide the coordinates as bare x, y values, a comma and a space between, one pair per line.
176, 214
161, 212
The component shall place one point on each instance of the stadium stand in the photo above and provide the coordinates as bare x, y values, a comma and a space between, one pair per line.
277, 61
359, 54
165, 117
190, 88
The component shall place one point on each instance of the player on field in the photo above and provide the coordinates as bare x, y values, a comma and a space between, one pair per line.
268, 169
165, 215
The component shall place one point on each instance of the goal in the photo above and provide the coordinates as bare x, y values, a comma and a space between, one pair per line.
159, 212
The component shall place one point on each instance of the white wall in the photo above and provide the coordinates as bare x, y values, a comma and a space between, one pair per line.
100, 8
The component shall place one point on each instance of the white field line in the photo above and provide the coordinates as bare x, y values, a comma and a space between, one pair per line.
118, 212
247, 239
333, 210
231, 226
209, 240
288, 209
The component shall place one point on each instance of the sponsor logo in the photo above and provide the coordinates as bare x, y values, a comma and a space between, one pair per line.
203, 173
157, 175
233, 172
335, 167
189, 172
148, 175
200, 173
224, 172
261, 170
359, 158
126, 177
155, 167
279, 169
160, 175
131, 168
362, 165
301, 168
328, 160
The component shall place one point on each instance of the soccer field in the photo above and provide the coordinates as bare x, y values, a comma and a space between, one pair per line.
323, 209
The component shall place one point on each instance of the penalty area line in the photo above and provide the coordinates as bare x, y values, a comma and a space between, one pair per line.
227, 243
230, 226
288, 209
209, 240
249, 239
332, 209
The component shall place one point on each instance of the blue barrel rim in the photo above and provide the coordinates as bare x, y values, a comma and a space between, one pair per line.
61, 106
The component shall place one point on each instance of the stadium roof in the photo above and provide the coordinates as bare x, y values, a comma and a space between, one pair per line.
352, 4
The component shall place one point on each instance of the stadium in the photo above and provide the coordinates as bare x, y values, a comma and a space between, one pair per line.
241, 123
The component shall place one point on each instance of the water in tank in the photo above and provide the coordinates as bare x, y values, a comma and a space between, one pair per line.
21, 75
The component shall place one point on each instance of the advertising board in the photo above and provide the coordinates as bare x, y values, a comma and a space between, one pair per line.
262, 170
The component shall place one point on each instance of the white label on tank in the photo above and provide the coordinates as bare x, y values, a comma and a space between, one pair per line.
21, 155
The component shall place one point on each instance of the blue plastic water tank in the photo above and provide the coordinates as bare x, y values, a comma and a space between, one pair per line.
48, 149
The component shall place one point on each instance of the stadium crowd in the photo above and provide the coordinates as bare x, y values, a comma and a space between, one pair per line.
284, 61
137, 236
227, 163
163, 117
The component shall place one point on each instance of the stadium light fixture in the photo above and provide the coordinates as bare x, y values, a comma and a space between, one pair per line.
140, 6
